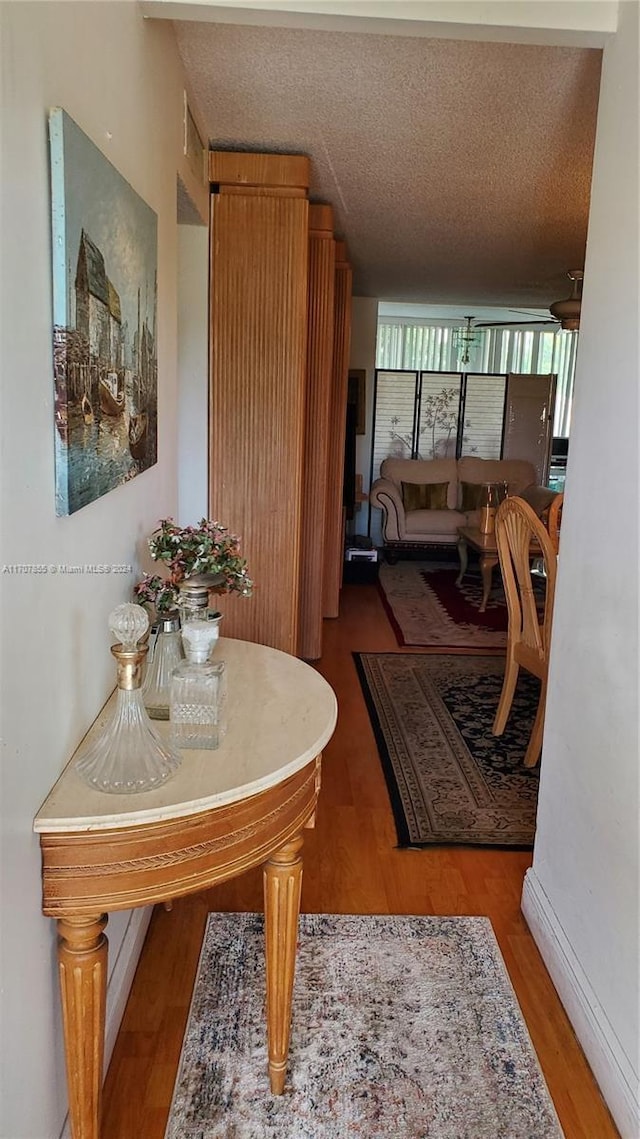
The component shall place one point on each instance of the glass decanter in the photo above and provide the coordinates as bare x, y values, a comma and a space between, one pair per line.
128, 756
198, 690
167, 654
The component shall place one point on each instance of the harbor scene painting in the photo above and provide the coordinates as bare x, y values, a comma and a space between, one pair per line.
105, 241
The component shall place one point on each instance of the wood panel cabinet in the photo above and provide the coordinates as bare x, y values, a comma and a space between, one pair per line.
322, 267
280, 297
335, 523
258, 368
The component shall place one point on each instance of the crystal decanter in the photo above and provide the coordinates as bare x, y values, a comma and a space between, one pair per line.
128, 756
198, 690
167, 654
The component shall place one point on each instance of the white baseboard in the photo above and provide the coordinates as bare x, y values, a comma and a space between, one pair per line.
120, 982
611, 1066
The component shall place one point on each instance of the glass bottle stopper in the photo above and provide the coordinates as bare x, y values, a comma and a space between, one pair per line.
199, 638
129, 623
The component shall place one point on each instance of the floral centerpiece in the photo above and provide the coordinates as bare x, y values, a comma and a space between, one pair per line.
189, 550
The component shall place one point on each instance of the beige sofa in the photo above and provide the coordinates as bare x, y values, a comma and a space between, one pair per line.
440, 526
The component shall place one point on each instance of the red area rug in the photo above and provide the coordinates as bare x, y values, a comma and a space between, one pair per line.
427, 608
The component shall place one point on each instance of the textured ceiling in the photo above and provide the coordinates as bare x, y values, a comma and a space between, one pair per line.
459, 172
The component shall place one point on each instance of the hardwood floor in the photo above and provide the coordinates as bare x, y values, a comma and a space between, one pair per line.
351, 866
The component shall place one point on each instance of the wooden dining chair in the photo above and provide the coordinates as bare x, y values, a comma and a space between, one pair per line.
528, 637
554, 520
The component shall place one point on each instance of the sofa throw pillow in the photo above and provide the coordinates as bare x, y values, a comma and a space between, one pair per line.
470, 496
539, 498
424, 496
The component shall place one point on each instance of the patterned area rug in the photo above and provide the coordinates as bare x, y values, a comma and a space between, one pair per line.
402, 1028
426, 607
450, 780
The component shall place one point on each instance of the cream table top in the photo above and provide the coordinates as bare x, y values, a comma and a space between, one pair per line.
281, 713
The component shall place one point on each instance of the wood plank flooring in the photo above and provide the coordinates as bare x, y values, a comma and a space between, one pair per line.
351, 866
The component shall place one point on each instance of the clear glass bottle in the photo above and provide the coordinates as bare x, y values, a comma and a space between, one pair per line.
167, 655
198, 691
128, 756
488, 506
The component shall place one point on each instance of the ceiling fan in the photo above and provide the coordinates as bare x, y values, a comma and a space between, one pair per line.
565, 313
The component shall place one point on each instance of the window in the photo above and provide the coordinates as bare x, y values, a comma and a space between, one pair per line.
414, 345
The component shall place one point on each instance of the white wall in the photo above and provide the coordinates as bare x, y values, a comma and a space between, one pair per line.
582, 894
193, 385
119, 77
364, 330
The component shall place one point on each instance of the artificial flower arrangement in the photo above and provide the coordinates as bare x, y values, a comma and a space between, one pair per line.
189, 550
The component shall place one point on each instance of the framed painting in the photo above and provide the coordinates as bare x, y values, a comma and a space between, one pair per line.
357, 396
105, 258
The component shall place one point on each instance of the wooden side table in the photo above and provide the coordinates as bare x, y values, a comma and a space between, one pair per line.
223, 812
487, 548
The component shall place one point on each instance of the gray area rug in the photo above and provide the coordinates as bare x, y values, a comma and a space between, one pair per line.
450, 780
402, 1028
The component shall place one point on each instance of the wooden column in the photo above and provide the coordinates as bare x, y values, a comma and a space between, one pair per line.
322, 260
258, 329
334, 537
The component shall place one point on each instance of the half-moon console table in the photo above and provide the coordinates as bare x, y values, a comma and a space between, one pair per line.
223, 812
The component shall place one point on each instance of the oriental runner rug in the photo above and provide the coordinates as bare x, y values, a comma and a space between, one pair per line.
450, 781
402, 1028
426, 607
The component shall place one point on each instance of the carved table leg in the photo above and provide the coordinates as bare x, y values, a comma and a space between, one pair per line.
463, 554
486, 569
82, 969
282, 886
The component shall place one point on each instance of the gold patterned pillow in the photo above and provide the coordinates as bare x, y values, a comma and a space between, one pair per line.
424, 496
470, 496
